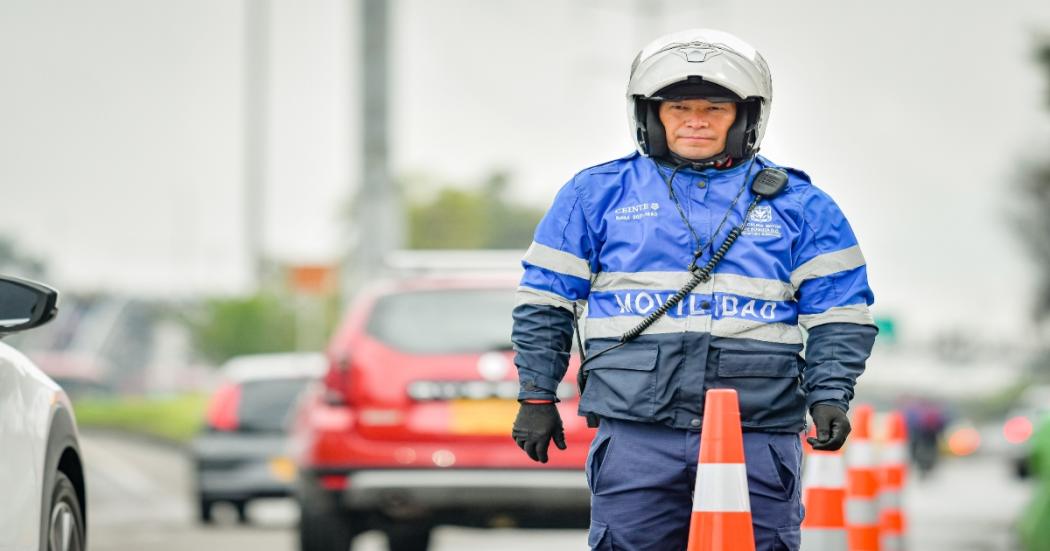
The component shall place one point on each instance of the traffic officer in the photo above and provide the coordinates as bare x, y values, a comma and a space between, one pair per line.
623, 237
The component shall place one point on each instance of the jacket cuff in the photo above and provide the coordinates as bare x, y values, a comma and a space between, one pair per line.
829, 397
538, 387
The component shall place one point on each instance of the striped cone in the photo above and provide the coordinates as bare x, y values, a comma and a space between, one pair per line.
721, 504
862, 485
892, 474
824, 495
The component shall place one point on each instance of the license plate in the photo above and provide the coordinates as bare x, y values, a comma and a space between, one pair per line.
283, 469
483, 417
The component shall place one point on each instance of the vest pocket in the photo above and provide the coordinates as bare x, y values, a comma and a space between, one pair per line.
622, 383
767, 385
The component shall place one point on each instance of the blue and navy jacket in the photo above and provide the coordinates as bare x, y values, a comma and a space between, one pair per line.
614, 244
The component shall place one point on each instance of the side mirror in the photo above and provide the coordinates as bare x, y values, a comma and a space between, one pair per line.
25, 304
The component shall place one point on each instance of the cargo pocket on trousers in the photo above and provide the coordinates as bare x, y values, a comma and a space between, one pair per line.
595, 459
598, 538
766, 384
787, 470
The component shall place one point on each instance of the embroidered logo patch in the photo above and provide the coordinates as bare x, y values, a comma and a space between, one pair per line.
760, 223
762, 213
637, 212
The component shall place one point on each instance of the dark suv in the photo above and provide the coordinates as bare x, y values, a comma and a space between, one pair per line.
411, 428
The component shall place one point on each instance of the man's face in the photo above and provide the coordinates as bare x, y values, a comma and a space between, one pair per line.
697, 128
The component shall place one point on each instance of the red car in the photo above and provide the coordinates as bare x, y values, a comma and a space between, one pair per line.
411, 427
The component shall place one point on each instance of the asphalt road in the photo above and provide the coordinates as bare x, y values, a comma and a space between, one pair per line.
139, 498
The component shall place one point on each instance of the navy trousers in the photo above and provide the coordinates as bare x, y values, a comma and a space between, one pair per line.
642, 477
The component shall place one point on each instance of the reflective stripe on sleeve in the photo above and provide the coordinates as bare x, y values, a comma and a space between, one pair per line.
528, 295
721, 487
557, 261
827, 264
854, 313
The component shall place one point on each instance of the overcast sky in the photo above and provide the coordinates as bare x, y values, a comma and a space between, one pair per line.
121, 136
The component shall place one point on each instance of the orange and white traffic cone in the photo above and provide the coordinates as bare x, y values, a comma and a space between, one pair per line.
824, 495
892, 474
721, 503
862, 485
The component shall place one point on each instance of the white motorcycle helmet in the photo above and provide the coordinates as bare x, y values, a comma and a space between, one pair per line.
699, 63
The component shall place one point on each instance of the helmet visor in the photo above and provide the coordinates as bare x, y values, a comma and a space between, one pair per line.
695, 89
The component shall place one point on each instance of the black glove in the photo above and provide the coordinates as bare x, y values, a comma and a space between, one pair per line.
534, 427
832, 427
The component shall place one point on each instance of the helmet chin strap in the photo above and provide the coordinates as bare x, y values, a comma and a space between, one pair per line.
718, 160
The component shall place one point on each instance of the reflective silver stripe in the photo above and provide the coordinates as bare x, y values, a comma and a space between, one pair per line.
557, 261
823, 539
860, 454
862, 512
627, 281
755, 287
602, 328
891, 543
854, 313
827, 264
721, 488
528, 295
824, 471
893, 455
748, 329
890, 499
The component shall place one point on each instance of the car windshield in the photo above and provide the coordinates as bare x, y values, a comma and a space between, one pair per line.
265, 404
444, 322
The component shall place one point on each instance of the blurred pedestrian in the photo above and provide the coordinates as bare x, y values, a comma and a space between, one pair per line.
623, 236
926, 421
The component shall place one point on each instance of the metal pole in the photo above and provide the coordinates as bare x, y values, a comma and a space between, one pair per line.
256, 132
377, 216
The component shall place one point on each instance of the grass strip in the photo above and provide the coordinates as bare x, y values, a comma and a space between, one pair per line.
175, 418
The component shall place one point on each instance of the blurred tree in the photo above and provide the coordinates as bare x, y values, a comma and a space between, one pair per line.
458, 218
1033, 222
228, 327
